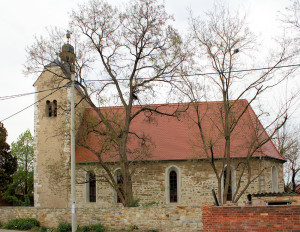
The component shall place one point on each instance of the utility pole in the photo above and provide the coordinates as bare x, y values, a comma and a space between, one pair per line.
68, 58
259, 174
73, 164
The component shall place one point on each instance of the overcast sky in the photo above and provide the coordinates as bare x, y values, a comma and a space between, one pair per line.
21, 20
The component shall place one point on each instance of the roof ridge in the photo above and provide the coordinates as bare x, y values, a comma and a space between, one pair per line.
168, 104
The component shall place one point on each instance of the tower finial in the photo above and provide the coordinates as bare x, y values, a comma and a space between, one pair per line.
68, 35
67, 54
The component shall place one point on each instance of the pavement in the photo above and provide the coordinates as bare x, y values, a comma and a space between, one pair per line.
3, 230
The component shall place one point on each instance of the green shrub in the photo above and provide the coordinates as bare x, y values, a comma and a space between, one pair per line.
1, 224
92, 228
64, 227
44, 229
22, 224
133, 227
97, 228
150, 204
135, 203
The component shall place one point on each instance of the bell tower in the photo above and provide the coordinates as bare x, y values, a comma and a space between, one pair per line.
52, 131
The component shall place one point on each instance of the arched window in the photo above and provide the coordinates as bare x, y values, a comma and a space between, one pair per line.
119, 180
91, 187
232, 183
48, 108
274, 179
54, 108
173, 184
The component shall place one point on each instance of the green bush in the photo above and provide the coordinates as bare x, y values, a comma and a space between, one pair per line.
150, 204
97, 228
135, 203
44, 229
1, 224
64, 227
22, 224
92, 228
133, 228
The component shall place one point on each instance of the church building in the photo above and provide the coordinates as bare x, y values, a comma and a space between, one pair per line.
174, 170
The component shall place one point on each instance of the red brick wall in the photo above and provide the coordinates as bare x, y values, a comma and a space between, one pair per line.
251, 218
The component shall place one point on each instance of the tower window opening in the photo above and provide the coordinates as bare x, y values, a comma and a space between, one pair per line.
48, 108
54, 108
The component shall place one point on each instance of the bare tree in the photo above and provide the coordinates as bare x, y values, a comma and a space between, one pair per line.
225, 45
291, 14
287, 142
126, 50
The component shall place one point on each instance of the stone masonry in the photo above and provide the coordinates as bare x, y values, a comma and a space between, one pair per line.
165, 219
197, 180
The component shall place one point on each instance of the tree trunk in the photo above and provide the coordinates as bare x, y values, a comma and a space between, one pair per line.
227, 157
127, 181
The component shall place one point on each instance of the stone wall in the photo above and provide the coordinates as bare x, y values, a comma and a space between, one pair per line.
165, 219
251, 218
293, 199
196, 181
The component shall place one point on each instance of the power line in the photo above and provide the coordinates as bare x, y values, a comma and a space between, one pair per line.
147, 78
126, 79
55, 89
203, 74
24, 94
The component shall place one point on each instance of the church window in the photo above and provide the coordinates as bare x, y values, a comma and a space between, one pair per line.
173, 184
274, 179
91, 187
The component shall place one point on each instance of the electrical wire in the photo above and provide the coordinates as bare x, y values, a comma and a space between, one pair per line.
24, 94
126, 79
56, 89
147, 78
203, 74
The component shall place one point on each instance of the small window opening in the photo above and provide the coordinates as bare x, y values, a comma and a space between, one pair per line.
92, 187
173, 186
48, 108
54, 108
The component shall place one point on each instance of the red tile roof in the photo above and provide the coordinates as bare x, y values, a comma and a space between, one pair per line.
178, 138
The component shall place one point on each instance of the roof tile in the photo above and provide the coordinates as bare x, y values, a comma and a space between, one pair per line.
178, 138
